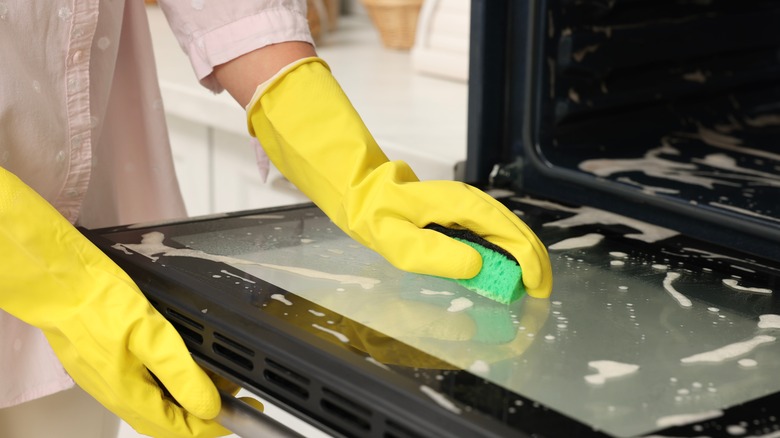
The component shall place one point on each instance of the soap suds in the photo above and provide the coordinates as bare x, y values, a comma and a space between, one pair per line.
152, 246
729, 351
716, 139
682, 299
588, 216
433, 292
747, 363
725, 162
652, 165
683, 419
364, 282
339, 336
460, 304
440, 399
281, 299
479, 367
120, 247
237, 276
735, 285
607, 369
695, 76
585, 241
377, 363
736, 429
769, 321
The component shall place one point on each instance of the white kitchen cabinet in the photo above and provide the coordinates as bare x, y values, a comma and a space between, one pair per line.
192, 151
237, 181
441, 46
217, 171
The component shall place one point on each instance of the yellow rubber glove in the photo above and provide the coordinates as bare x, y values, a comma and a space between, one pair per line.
103, 330
314, 136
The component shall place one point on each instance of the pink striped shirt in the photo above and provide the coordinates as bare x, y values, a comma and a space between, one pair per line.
82, 122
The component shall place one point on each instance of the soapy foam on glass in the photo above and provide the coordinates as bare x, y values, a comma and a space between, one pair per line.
588, 216
708, 171
460, 304
433, 292
585, 241
769, 321
608, 369
152, 246
651, 164
281, 299
742, 268
747, 363
734, 284
472, 360
682, 299
340, 336
237, 276
730, 351
683, 419
440, 399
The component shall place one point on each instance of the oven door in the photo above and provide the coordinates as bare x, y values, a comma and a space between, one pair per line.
647, 332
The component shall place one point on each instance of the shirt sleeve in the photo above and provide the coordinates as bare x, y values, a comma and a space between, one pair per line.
213, 32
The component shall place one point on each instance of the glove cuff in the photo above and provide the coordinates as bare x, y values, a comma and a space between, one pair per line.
263, 87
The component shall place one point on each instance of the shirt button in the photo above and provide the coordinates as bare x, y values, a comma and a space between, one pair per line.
78, 56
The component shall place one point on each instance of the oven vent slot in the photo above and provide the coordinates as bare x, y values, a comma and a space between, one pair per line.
287, 372
181, 318
232, 356
345, 409
280, 381
286, 379
395, 430
345, 414
187, 328
235, 345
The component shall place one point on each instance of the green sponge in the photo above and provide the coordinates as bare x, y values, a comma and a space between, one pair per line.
500, 278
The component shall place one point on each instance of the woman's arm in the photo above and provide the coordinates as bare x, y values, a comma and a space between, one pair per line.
242, 75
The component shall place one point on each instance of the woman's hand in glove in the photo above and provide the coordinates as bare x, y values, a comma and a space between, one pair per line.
316, 139
105, 333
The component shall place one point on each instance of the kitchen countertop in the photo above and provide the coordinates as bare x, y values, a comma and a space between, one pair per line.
414, 117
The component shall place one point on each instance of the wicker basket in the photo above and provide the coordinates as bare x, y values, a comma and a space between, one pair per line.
323, 16
396, 20
315, 23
